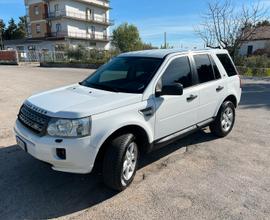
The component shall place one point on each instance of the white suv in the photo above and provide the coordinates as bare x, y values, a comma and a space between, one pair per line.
137, 102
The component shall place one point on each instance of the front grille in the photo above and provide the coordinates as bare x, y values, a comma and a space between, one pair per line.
33, 120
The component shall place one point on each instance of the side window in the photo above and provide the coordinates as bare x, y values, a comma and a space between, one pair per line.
178, 71
204, 68
216, 70
227, 64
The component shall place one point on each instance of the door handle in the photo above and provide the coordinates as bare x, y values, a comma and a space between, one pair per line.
220, 88
191, 98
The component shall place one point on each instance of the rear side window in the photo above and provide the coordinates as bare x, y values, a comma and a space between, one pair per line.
216, 70
227, 64
178, 71
204, 68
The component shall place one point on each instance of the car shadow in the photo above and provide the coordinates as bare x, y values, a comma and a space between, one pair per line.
31, 190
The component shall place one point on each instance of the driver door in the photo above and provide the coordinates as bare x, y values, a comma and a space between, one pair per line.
176, 113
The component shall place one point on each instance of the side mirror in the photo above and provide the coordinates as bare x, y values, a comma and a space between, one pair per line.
174, 89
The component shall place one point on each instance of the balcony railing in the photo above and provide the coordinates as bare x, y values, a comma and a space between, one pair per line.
80, 16
99, 3
78, 35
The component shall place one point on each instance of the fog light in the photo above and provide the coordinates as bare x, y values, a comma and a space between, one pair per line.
61, 153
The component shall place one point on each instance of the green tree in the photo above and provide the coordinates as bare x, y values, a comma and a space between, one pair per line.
263, 23
167, 46
148, 46
76, 53
126, 37
10, 31
14, 31
21, 28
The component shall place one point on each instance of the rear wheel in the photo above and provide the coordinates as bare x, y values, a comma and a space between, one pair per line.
120, 162
224, 121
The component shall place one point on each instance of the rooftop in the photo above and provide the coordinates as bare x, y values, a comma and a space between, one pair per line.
261, 33
162, 53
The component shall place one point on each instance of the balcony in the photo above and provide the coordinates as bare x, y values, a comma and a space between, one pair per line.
80, 17
78, 35
97, 3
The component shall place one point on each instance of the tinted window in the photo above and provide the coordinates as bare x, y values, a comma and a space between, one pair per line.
178, 71
216, 70
227, 64
204, 68
124, 74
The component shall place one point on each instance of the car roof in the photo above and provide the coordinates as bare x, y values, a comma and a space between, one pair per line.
162, 53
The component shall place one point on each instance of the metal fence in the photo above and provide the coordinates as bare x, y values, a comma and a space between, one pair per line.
42, 56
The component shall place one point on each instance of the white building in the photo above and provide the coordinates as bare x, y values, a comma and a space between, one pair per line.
54, 24
260, 39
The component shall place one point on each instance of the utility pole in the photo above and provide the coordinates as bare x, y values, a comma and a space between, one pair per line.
1, 37
165, 40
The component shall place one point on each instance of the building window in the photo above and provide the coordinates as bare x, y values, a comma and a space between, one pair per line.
56, 7
250, 50
20, 48
89, 14
93, 44
93, 29
36, 10
58, 27
37, 28
88, 30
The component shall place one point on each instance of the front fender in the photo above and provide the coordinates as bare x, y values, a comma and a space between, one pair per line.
105, 124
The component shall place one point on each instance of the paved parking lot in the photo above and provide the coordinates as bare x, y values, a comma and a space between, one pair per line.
199, 177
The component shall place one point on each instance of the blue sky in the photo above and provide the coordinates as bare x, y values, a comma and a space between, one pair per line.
153, 17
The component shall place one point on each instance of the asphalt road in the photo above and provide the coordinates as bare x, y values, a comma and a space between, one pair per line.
199, 177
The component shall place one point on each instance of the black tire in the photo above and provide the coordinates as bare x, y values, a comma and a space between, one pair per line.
217, 127
114, 159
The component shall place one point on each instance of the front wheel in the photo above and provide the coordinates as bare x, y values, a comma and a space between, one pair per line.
224, 121
120, 162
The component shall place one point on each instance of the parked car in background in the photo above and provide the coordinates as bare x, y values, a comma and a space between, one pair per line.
137, 102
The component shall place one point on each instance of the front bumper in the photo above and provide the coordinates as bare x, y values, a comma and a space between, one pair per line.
80, 155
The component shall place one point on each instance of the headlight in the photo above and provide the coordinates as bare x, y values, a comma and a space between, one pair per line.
69, 127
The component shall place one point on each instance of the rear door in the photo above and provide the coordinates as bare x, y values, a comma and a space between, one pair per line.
210, 84
233, 81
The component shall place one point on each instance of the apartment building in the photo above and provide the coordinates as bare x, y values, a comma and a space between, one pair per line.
54, 24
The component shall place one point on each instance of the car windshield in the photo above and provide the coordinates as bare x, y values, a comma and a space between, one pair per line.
124, 74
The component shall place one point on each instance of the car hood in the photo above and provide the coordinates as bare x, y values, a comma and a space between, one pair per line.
76, 101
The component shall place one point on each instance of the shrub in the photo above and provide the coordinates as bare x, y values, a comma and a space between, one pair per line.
268, 72
80, 54
76, 53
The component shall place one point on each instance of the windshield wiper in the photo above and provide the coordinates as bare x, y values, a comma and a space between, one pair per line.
104, 87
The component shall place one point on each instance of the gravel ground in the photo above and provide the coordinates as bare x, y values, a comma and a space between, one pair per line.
199, 177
